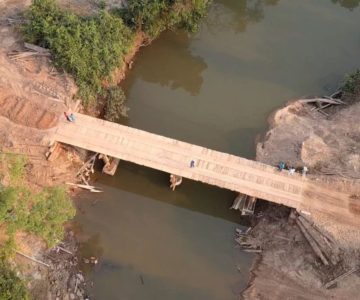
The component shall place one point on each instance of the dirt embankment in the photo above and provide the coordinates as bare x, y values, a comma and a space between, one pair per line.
328, 143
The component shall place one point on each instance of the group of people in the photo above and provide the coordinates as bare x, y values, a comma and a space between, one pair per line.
292, 170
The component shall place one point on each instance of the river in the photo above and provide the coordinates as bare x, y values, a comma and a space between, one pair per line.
214, 88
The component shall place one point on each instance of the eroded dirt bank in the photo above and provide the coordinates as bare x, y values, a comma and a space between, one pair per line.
328, 143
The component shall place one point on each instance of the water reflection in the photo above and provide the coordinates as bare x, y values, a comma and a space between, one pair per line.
240, 14
350, 4
174, 50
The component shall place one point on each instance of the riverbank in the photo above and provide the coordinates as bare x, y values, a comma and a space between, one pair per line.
326, 141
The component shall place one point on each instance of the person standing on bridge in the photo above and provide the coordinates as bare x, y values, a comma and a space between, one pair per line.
192, 164
291, 171
281, 166
304, 171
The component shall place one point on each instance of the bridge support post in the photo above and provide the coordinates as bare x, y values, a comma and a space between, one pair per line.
244, 203
110, 164
175, 181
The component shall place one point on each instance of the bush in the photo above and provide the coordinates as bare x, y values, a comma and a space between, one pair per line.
89, 48
155, 16
115, 107
352, 81
189, 19
147, 15
11, 286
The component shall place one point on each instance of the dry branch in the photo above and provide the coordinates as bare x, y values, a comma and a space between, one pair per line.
322, 100
323, 243
341, 277
33, 259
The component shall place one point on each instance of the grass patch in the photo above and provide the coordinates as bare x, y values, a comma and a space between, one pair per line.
42, 213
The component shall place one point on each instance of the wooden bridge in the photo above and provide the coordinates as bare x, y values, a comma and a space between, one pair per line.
212, 167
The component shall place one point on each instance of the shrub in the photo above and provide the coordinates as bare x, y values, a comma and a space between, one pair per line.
188, 14
147, 15
89, 48
11, 286
115, 107
352, 81
155, 16
51, 208
14, 165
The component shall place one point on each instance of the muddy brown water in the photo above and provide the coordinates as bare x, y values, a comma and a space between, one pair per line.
216, 89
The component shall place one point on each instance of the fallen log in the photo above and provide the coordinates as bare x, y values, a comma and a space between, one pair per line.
322, 100
83, 186
252, 250
64, 250
330, 251
33, 259
312, 243
36, 48
327, 236
321, 107
336, 94
341, 277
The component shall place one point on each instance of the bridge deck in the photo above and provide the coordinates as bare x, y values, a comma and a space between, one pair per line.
211, 167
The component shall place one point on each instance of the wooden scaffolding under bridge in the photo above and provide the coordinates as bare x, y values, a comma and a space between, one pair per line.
244, 203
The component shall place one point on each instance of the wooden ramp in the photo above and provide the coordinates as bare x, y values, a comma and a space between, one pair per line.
212, 167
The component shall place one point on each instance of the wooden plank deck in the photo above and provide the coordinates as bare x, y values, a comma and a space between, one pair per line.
212, 167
